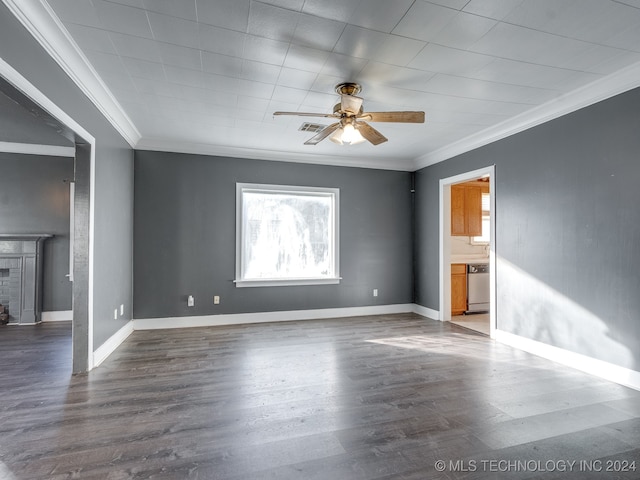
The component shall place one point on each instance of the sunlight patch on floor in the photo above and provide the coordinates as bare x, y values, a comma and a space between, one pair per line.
428, 344
5, 473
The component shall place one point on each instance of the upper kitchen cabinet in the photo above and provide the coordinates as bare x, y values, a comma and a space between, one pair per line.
466, 209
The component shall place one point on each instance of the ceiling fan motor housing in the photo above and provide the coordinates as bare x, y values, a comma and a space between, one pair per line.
348, 88
337, 109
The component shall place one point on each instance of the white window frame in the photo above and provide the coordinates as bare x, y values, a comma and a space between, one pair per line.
333, 193
486, 217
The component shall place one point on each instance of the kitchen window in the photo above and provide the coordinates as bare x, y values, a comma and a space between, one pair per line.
485, 238
286, 235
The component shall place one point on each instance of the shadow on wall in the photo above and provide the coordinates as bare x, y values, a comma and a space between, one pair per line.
541, 313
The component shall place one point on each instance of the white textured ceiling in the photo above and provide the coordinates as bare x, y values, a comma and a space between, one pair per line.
206, 75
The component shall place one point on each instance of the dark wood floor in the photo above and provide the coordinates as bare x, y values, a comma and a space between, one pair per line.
382, 397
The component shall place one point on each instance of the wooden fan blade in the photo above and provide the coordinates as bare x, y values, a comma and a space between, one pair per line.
350, 104
323, 134
306, 114
370, 133
400, 117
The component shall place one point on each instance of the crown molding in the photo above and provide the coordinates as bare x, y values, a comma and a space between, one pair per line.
43, 24
621, 81
36, 149
384, 163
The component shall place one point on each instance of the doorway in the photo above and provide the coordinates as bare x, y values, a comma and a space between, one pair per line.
18, 88
461, 259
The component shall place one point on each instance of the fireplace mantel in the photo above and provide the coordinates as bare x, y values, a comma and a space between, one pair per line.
24, 236
21, 270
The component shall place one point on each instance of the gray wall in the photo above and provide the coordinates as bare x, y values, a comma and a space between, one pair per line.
34, 198
185, 235
18, 125
113, 282
567, 196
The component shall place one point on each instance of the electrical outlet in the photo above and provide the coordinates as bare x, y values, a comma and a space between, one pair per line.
375, 292
122, 309
216, 300
190, 301
115, 314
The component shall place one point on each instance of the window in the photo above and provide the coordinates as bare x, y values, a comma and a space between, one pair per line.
485, 238
286, 235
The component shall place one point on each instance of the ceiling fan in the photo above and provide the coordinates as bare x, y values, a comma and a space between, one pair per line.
351, 127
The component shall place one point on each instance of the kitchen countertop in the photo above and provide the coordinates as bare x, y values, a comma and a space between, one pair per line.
469, 259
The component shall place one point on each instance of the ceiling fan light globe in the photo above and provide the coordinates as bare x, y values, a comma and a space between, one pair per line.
347, 135
351, 135
336, 137
357, 138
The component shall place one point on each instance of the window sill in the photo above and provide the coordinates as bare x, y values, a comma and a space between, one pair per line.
288, 282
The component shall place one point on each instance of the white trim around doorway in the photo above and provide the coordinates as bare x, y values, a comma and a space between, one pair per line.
32, 92
445, 248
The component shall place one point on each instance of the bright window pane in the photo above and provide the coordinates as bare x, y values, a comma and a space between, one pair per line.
486, 231
486, 222
287, 233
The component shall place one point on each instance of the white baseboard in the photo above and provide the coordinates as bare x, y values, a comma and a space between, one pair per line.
108, 347
57, 316
426, 312
262, 317
608, 371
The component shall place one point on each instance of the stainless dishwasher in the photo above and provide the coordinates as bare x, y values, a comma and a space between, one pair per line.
477, 287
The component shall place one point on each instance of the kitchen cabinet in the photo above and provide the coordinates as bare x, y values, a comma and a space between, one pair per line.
458, 288
466, 210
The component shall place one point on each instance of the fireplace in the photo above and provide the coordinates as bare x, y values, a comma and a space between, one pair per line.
21, 277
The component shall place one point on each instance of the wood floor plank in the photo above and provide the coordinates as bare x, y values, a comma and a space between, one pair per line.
378, 397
